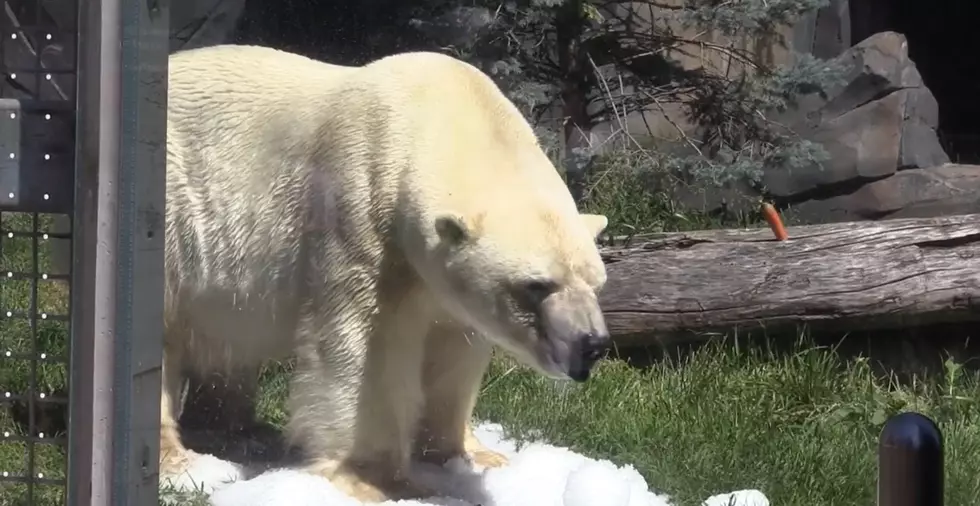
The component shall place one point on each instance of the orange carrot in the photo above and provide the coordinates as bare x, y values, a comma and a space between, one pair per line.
775, 222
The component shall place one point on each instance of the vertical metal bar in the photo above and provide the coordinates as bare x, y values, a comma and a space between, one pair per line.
140, 276
93, 299
107, 231
32, 392
35, 279
117, 318
104, 289
82, 305
27, 35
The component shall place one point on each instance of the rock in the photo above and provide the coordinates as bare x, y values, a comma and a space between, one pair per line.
879, 128
825, 32
915, 193
864, 144
883, 120
455, 26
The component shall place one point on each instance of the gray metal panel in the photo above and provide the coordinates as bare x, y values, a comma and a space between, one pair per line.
38, 60
82, 470
10, 127
118, 257
139, 299
36, 156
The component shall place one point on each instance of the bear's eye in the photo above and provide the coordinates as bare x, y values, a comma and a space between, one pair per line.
537, 290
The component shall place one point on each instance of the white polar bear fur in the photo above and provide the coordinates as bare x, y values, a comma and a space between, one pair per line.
308, 206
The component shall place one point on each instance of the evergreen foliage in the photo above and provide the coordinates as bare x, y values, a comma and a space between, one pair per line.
599, 61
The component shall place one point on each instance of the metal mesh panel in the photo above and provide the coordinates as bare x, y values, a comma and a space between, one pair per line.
37, 118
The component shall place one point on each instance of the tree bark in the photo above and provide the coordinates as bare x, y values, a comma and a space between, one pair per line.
574, 89
862, 275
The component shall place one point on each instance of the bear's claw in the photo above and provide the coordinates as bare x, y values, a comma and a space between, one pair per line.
488, 458
480, 454
363, 490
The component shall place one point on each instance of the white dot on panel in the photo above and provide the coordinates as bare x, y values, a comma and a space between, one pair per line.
44, 276
40, 435
13, 115
44, 316
12, 156
6, 434
10, 274
47, 76
45, 236
46, 197
8, 353
48, 36
9, 314
13, 75
13, 36
10, 235
6, 394
44, 356
5, 474
42, 395
47, 156
40, 475
47, 116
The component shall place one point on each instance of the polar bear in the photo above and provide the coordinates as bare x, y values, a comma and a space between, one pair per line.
385, 225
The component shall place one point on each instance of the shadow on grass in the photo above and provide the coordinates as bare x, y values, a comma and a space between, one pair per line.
903, 354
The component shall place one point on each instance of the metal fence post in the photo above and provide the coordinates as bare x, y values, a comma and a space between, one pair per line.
117, 300
910, 462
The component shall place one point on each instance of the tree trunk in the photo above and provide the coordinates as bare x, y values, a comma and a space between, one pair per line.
863, 275
575, 87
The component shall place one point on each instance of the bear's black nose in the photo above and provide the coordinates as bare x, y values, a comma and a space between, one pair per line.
592, 347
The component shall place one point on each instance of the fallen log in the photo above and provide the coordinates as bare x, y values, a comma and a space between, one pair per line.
862, 275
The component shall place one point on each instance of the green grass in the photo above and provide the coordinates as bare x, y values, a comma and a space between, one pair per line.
802, 426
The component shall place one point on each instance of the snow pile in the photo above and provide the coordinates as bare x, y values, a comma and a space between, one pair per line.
538, 475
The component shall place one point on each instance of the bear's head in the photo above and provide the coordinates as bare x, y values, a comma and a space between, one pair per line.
528, 282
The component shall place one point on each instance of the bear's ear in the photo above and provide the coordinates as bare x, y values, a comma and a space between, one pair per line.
453, 229
596, 223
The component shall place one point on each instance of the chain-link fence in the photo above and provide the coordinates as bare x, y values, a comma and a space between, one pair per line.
37, 115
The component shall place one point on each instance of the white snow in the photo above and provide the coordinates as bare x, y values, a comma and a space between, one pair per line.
538, 475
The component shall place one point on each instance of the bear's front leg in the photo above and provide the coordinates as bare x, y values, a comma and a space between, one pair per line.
356, 399
455, 363
174, 457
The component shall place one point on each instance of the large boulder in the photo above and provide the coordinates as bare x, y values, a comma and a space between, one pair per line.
882, 121
915, 193
880, 131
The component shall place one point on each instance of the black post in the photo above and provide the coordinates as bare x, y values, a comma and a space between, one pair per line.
910, 462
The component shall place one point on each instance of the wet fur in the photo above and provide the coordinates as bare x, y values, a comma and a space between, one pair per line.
301, 198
